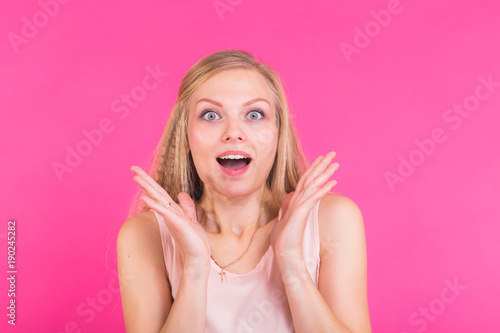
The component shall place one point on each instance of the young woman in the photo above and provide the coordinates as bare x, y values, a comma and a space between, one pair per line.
237, 233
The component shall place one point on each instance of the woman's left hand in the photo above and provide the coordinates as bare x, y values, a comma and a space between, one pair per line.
288, 231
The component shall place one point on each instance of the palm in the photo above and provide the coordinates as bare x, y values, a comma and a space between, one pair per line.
286, 238
193, 239
189, 236
287, 234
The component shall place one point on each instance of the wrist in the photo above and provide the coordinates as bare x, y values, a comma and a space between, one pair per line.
196, 270
289, 258
293, 269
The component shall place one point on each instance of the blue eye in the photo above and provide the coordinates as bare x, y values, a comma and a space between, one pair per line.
211, 114
257, 112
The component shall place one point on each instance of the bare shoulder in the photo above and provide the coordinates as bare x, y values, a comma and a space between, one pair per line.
343, 270
142, 224
338, 204
339, 220
144, 286
140, 234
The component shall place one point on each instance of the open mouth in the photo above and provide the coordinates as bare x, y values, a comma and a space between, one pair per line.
234, 164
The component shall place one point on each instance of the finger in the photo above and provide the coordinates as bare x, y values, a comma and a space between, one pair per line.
148, 188
154, 194
286, 203
299, 189
170, 217
187, 205
311, 201
305, 174
320, 179
147, 178
305, 179
142, 174
152, 188
319, 169
323, 191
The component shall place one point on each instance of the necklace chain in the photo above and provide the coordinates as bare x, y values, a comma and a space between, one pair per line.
222, 273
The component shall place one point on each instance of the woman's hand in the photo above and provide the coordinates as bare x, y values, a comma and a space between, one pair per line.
190, 237
288, 232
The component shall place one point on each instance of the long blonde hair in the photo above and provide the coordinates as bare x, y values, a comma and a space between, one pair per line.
173, 167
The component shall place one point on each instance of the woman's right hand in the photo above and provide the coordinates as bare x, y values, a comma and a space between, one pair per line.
191, 239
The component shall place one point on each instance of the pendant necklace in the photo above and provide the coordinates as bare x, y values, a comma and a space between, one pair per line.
222, 273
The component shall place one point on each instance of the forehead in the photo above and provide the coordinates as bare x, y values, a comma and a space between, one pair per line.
234, 85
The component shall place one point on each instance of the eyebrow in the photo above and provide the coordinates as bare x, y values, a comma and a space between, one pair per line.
244, 104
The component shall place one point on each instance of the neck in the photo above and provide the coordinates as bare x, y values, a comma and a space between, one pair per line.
234, 217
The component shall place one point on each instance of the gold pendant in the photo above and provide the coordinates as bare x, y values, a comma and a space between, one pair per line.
221, 273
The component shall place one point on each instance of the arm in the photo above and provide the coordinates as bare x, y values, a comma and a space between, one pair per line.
146, 296
189, 311
340, 300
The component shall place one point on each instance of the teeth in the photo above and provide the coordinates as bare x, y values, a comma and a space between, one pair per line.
233, 157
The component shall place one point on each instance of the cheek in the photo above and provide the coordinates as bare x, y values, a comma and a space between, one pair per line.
266, 139
201, 145
199, 138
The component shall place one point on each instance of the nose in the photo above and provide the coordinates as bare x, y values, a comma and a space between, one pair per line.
233, 132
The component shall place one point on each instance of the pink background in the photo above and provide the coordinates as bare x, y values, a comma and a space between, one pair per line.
394, 86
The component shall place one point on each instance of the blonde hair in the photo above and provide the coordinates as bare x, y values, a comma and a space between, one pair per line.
173, 167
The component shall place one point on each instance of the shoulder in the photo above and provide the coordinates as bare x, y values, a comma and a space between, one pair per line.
144, 222
144, 286
339, 220
139, 244
342, 277
339, 205
140, 231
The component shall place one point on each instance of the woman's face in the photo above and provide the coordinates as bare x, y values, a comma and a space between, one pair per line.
233, 111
